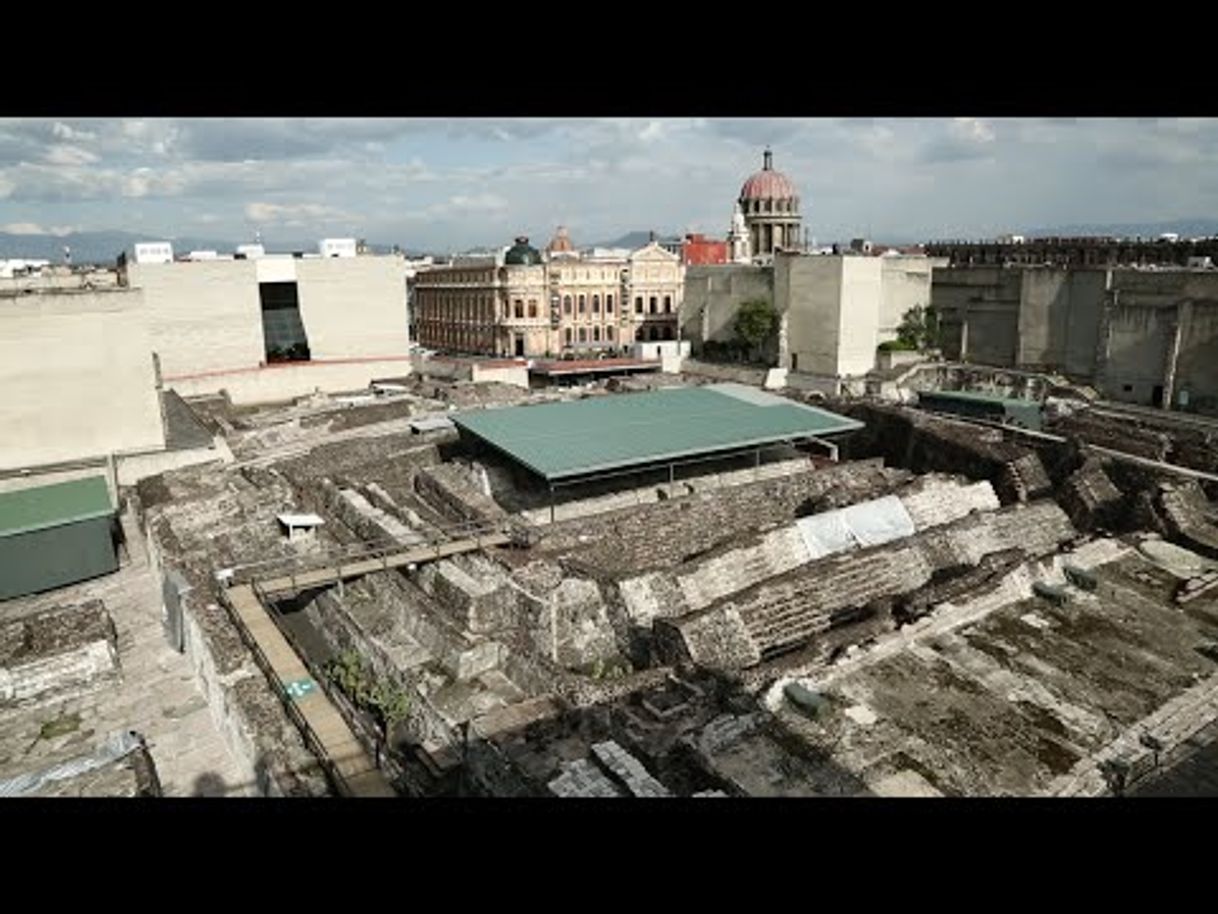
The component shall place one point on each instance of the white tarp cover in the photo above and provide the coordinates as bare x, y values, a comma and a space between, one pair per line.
880, 521
113, 749
869, 523
825, 533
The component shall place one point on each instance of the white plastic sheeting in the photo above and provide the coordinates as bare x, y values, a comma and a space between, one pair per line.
116, 747
869, 523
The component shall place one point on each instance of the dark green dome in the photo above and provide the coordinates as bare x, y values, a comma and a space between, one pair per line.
522, 254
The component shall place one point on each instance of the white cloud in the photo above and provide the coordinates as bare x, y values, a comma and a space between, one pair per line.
66, 132
69, 155
33, 228
295, 214
973, 130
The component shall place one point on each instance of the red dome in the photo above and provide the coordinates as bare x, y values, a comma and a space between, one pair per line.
768, 184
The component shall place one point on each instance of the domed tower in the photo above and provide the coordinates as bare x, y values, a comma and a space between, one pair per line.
522, 254
561, 242
770, 205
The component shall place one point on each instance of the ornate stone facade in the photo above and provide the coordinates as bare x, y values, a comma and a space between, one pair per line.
521, 305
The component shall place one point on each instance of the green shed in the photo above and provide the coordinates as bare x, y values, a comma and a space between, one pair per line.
55, 535
1024, 413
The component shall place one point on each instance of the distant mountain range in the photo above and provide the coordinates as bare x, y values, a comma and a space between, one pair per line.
634, 240
104, 247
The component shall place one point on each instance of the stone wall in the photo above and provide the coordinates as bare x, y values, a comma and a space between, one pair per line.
619, 543
786, 612
57, 653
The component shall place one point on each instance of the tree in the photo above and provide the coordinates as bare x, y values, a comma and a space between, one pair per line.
755, 321
919, 328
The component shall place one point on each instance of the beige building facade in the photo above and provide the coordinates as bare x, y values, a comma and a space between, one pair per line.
77, 375
525, 304
274, 327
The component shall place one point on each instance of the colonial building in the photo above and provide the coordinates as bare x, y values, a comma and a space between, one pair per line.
524, 303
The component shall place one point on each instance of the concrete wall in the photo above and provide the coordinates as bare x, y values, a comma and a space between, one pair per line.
288, 380
206, 316
1059, 318
1197, 368
979, 311
809, 292
862, 296
202, 315
905, 284
77, 377
833, 312
1138, 339
714, 293
354, 307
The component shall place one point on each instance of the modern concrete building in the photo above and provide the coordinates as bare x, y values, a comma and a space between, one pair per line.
1141, 336
78, 374
276, 326
524, 303
834, 310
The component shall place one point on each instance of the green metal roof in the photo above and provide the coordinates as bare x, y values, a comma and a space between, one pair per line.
558, 440
50, 506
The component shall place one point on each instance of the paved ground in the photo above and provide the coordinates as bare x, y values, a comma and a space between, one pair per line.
157, 695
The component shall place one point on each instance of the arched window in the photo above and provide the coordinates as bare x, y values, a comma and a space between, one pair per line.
668, 304
583, 334
566, 304
596, 304
668, 331
596, 334
638, 335
519, 306
608, 304
568, 336
638, 304
609, 334
653, 304
582, 304
653, 334
532, 307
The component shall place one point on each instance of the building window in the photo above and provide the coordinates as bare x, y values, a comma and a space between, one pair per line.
582, 304
638, 335
596, 334
583, 335
652, 302
282, 329
596, 304
566, 304
532, 307
638, 304
668, 304
653, 333
519, 306
668, 331
568, 336
609, 334
608, 304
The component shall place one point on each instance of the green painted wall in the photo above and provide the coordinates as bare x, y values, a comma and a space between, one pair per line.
55, 556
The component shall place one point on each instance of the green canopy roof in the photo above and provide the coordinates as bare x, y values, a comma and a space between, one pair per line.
51, 506
573, 438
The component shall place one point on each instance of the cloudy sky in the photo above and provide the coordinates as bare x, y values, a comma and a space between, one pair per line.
442, 184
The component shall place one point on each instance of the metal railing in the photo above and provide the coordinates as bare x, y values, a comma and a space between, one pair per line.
291, 566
